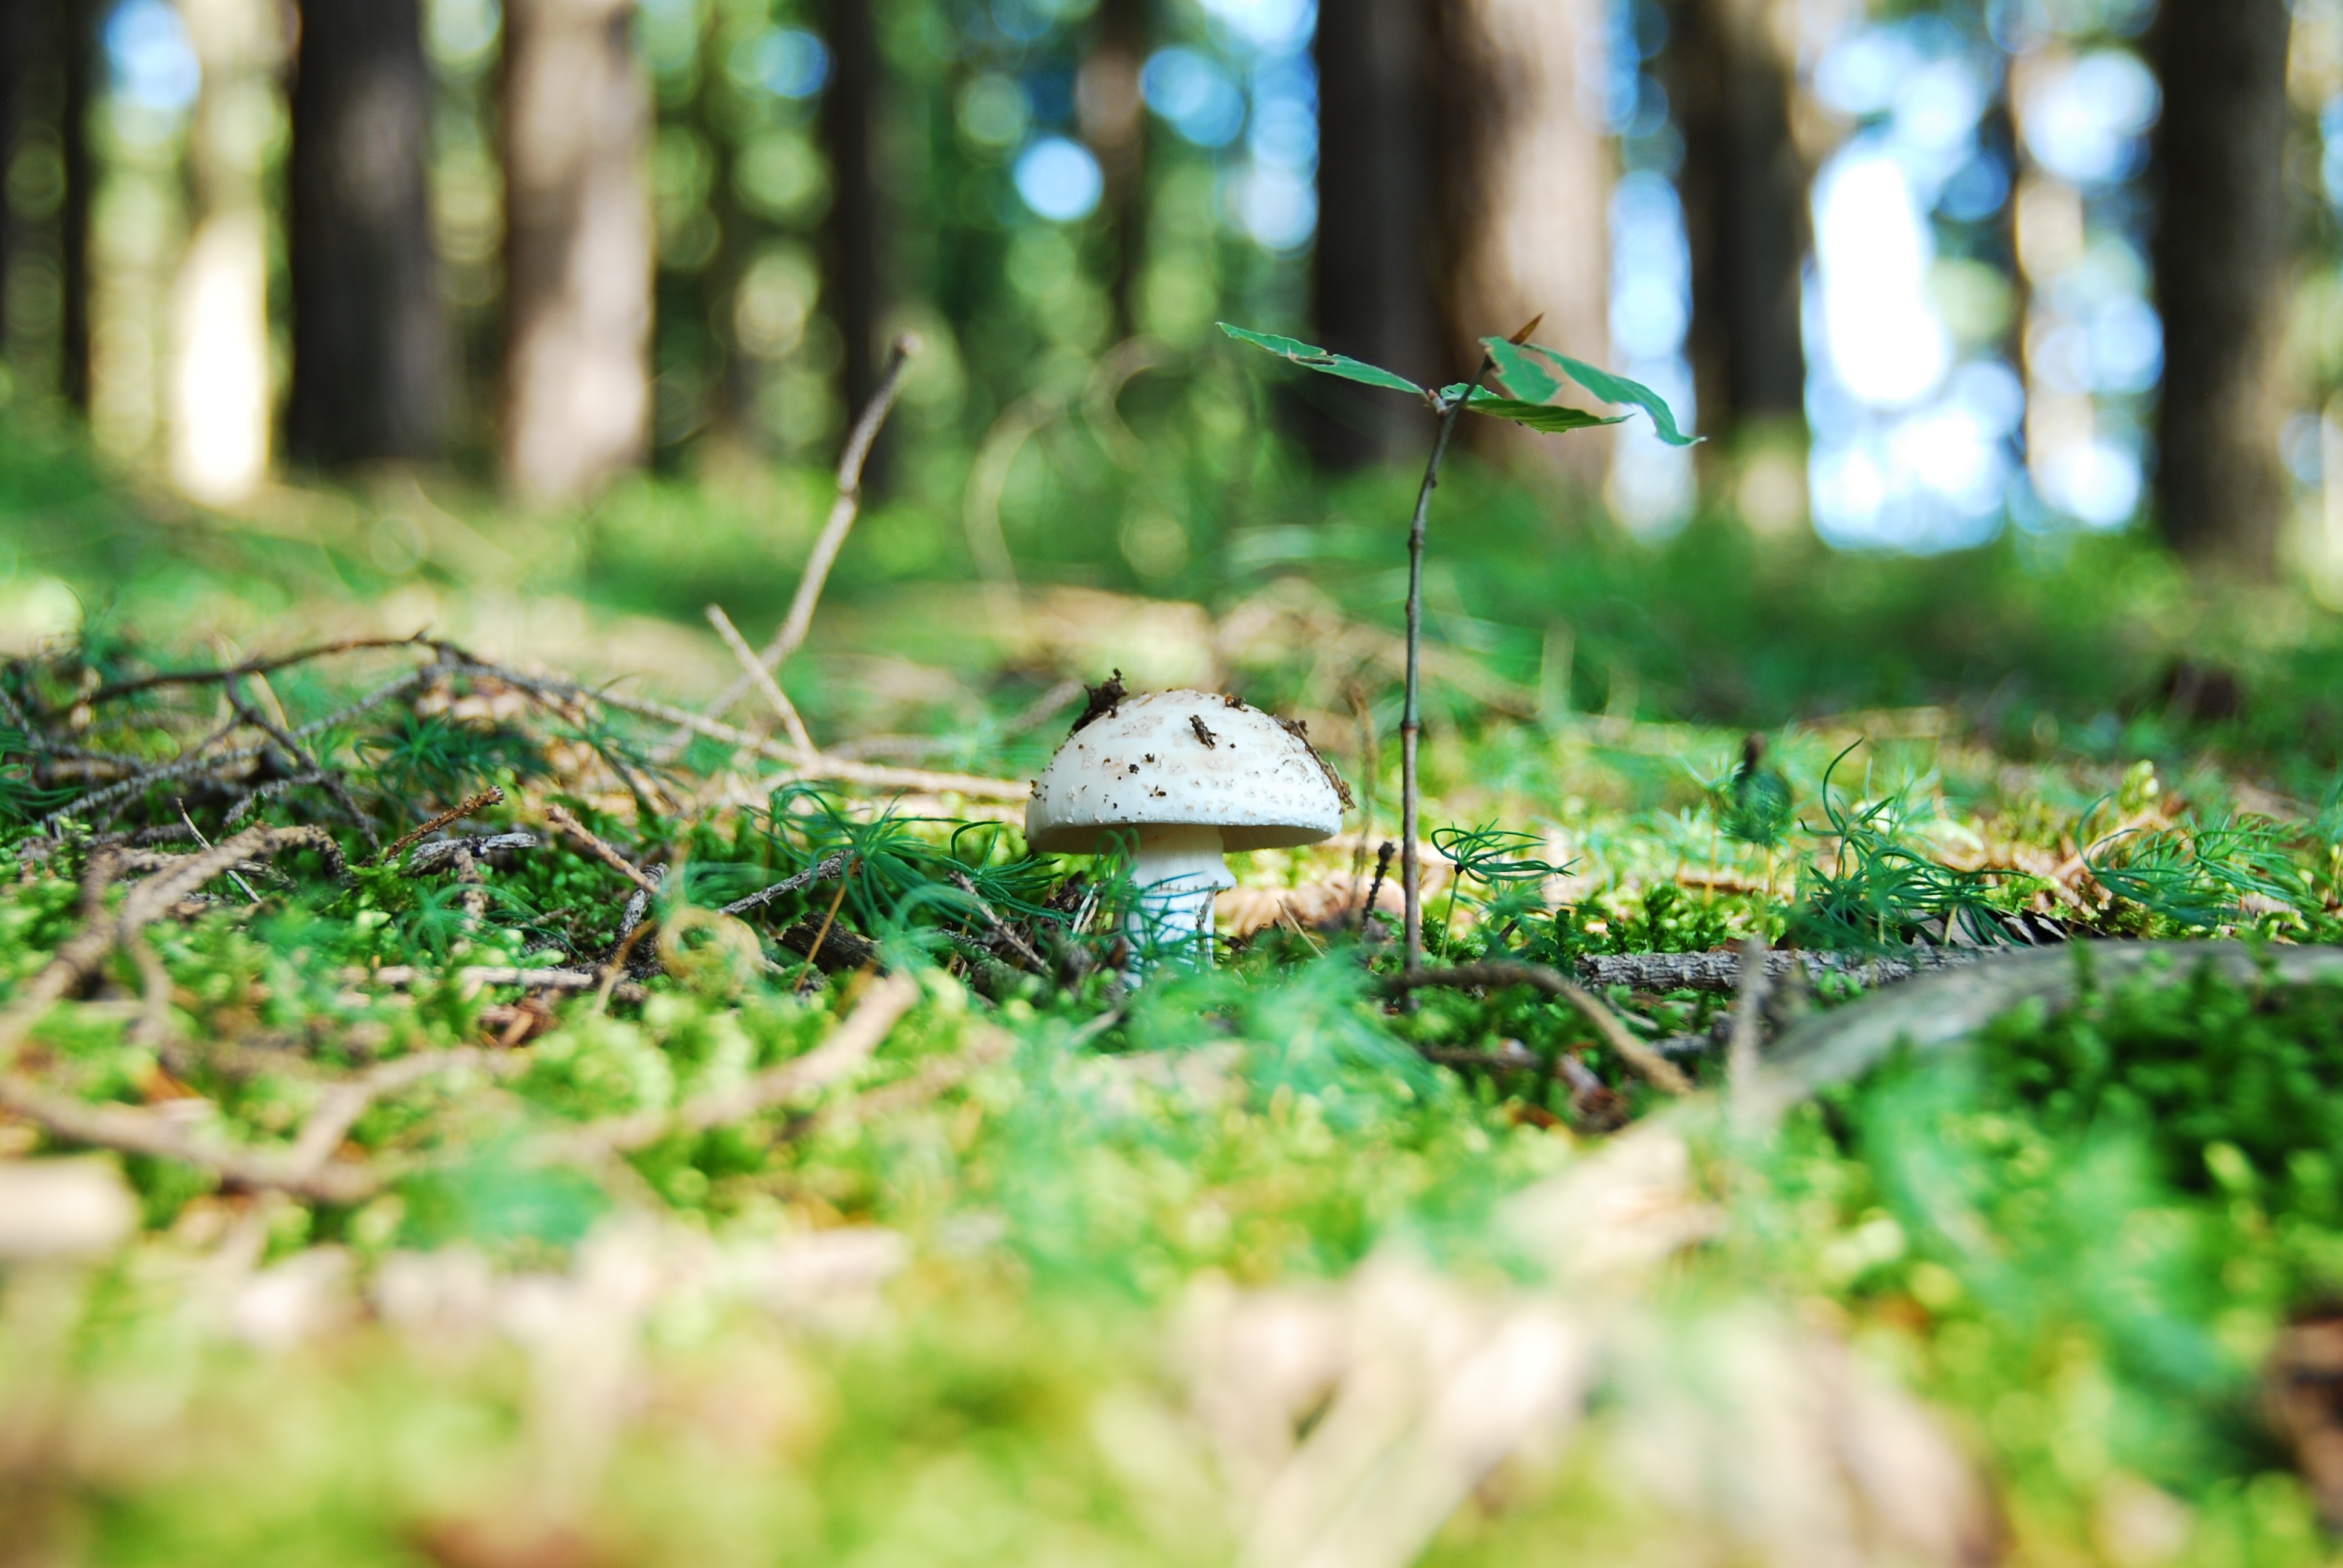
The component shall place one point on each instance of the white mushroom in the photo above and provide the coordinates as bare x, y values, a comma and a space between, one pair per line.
1177, 778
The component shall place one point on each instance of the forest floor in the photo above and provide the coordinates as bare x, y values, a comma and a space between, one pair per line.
463, 1099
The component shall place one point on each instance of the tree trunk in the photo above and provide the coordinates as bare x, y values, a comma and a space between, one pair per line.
1378, 260
849, 110
1745, 196
1114, 120
1528, 182
221, 398
579, 252
727, 414
21, 42
371, 358
2220, 264
77, 24
44, 163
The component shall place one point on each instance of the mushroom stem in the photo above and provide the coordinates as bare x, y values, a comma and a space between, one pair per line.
1176, 871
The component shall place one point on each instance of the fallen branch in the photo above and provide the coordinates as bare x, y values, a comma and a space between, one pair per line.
1648, 1064
1720, 970
830, 947
1941, 1009
813, 953
1510, 1056
427, 858
328, 779
253, 800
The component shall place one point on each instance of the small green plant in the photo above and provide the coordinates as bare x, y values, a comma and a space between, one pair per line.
1493, 857
1754, 805
1531, 376
1878, 888
22, 798
2202, 876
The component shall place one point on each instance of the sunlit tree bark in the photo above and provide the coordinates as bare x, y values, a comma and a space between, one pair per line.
371, 358
578, 250
1528, 182
2220, 263
1744, 188
1462, 186
221, 400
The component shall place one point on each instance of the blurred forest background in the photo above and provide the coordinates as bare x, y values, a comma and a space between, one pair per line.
1928, 276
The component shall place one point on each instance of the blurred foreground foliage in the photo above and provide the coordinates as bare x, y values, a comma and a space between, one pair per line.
959, 1301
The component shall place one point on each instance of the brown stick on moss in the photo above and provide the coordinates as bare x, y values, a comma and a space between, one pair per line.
1646, 1063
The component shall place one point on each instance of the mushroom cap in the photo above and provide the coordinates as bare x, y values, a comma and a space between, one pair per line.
1182, 759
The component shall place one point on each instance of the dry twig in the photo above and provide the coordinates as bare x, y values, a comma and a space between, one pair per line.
802, 767
849, 1045
491, 796
147, 902
473, 979
1000, 928
427, 858
1648, 1064
813, 953
201, 759
328, 779
762, 678
600, 849
302, 1169
821, 871
264, 666
842, 513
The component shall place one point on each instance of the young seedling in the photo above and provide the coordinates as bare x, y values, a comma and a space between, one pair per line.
1531, 377
1492, 857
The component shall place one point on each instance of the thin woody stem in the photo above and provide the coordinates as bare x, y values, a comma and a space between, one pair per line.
842, 513
1411, 725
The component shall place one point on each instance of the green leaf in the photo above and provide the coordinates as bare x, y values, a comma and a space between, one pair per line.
1296, 352
1612, 389
1523, 376
1552, 417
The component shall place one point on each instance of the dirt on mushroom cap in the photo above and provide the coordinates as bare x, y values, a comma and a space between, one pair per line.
1156, 761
